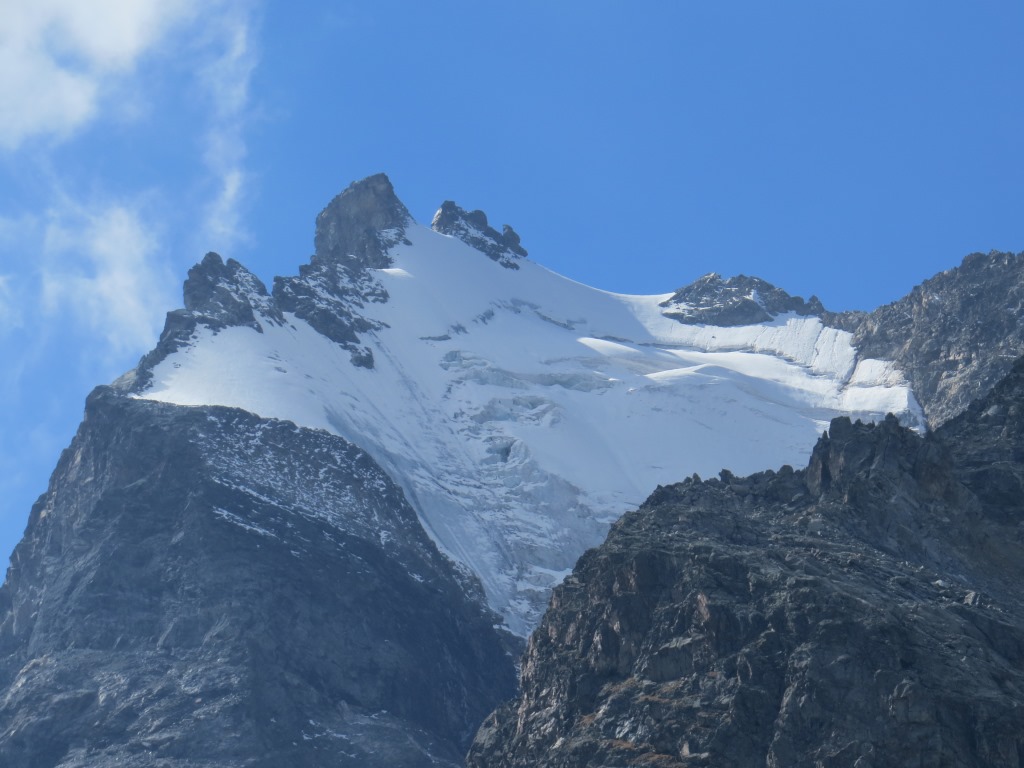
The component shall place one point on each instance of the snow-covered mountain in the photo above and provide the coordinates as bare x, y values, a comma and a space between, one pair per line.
520, 411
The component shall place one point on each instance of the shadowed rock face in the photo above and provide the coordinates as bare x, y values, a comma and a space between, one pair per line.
863, 612
359, 226
353, 235
739, 300
201, 587
471, 227
217, 295
955, 335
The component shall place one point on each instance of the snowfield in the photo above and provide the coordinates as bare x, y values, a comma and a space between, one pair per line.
523, 412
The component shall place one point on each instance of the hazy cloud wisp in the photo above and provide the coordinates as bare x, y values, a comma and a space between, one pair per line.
57, 56
226, 80
101, 266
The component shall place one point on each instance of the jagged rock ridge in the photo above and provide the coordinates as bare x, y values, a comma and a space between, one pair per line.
217, 295
353, 236
739, 300
863, 612
520, 411
202, 587
955, 335
472, 228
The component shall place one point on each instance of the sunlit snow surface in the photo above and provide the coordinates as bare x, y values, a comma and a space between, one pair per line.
523, 412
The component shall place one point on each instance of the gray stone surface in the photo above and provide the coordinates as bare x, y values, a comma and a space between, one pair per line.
217, 295
359, 226
201, 587
865, 611
471, 227
955, 335
353, 236
738, 300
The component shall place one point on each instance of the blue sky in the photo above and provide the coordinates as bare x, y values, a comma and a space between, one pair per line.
846, 149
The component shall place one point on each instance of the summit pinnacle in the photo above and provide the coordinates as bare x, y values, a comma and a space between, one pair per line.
361, 224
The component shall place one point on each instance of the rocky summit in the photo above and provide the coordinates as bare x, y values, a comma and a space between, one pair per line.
472, 228
863, 611
740, 300
955, 335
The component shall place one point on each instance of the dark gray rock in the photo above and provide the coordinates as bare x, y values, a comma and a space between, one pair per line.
329, 296
738, 300
954, 335
217, 295
863, 612
359, 226
471, 227
354, 234
201, 587
987, 445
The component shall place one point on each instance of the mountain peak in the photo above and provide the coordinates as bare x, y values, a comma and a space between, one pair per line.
471, 227
222, 294
359, 226
738, 300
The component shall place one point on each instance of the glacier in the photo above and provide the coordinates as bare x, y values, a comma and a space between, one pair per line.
522, 412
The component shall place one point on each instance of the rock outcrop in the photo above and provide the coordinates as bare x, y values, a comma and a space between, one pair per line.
353, 236
738, 300
954, 336
202, 587
471, 227
359, 226
865, 611
217, 295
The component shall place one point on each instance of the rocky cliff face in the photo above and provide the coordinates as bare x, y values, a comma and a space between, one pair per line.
864, 611
202, 587
353, 235
738, 300
954, 336
471, 227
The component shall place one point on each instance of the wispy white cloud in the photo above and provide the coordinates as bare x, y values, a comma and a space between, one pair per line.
65, 63
101, 266
59, 57
226, 80
15, 233
10, 313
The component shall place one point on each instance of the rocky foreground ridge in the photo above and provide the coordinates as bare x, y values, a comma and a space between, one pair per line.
202, 587
864, 611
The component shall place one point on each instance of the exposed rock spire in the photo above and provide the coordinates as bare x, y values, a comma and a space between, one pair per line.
360, 225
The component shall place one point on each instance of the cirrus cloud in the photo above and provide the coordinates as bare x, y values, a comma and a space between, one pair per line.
101, 266
60, 56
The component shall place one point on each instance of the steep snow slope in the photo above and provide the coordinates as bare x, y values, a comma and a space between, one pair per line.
523, 412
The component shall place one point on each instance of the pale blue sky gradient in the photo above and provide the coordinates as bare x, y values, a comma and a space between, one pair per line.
847, 149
